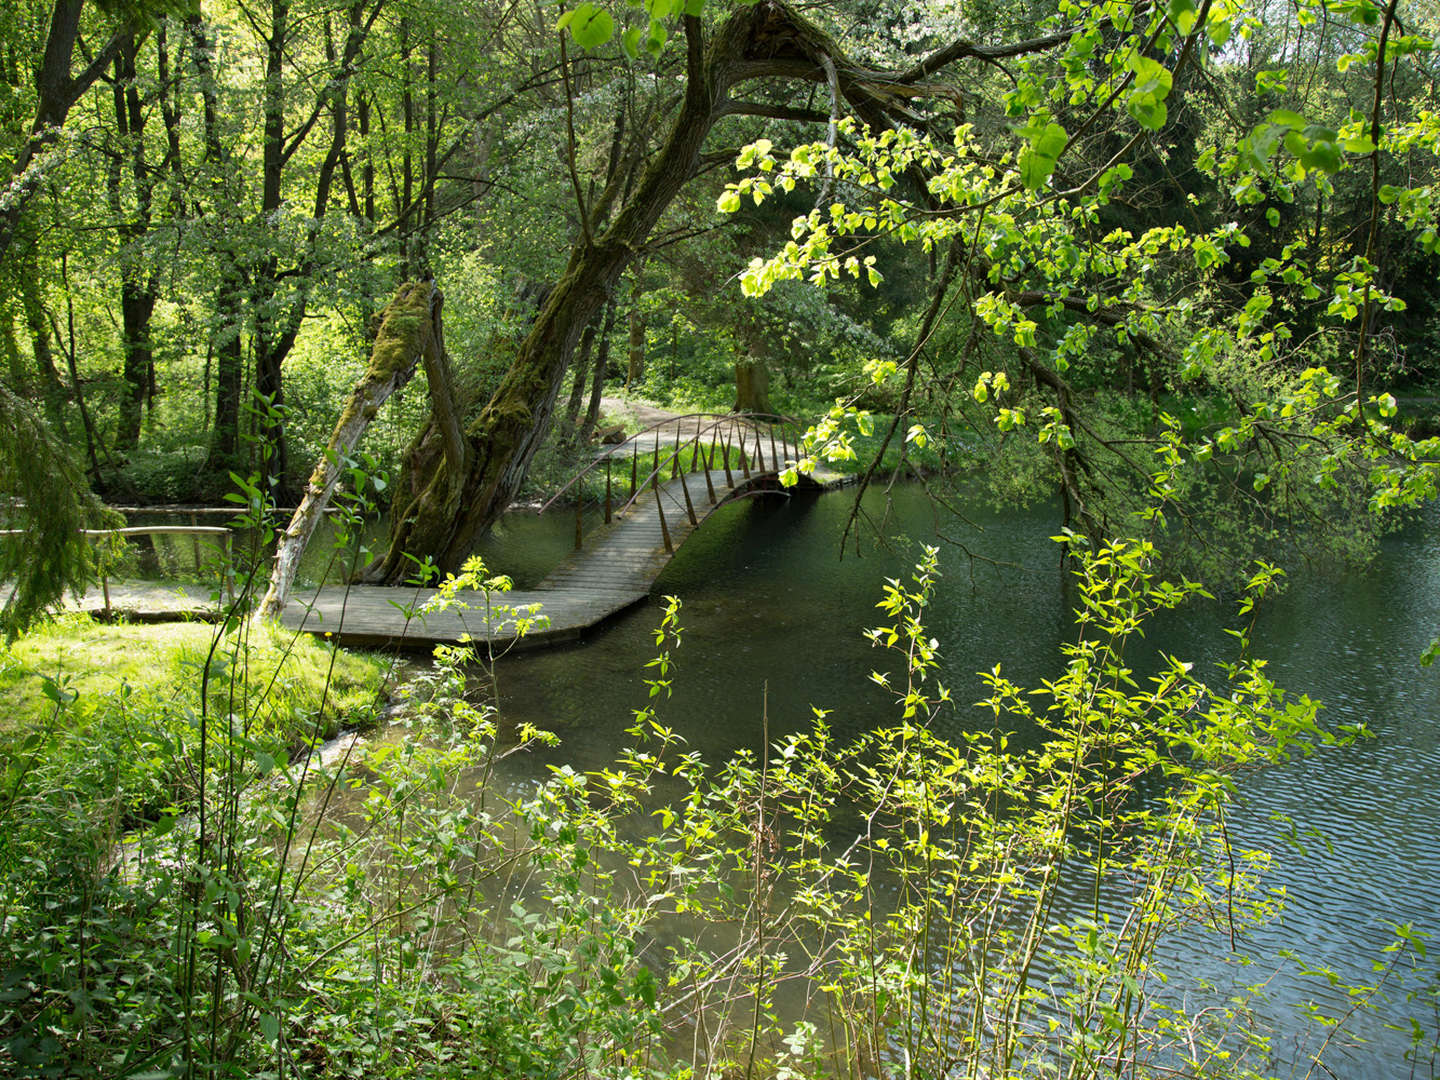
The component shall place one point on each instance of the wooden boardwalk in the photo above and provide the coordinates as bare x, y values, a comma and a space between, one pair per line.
613, 571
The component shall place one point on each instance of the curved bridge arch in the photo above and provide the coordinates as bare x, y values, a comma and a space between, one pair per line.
659, 486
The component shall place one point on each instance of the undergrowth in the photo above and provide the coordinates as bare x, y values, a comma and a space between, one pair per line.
901, 905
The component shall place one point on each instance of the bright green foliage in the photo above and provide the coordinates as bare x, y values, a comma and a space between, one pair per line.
1073, 285
388, 910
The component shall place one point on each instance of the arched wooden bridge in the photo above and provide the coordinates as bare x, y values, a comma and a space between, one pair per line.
655, 488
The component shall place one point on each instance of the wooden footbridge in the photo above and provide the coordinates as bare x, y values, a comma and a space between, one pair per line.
652, 491
643, 496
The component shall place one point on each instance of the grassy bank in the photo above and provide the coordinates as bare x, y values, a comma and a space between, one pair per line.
113, 706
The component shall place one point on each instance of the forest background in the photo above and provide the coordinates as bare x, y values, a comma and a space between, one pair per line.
1172, 261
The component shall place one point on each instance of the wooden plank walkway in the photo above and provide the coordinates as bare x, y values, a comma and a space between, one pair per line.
150, 601
613, 571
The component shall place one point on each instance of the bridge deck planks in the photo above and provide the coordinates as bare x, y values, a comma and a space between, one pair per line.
613, 571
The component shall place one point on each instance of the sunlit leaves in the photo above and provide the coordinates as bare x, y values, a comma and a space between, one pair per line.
1183, 13
589, 24
1038, 159
1146, 101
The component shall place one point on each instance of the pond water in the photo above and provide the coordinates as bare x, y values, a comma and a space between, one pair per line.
773, 619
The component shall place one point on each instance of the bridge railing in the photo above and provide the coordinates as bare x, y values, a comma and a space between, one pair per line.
743, 437
220, 534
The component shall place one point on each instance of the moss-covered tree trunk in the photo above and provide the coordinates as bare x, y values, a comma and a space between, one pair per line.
409, 333
440, 509
445, 511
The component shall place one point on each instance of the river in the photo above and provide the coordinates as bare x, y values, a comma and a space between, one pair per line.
772, 612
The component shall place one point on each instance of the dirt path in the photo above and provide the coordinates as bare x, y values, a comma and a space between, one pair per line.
629, 411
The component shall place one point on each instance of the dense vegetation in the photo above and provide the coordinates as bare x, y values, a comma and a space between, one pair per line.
1172, 260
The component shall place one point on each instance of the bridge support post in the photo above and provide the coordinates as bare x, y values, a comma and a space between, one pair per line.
729, 480
660, 509
634, 470
774, 458
709, 484
689, 506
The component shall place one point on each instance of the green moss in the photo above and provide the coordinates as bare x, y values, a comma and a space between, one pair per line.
402, 333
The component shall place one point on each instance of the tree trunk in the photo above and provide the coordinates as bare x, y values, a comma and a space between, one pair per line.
578, 382
409, 332
450, 510
138, 288
444, 510
597, 381
226, 337
635, 356
752, 387
229, 372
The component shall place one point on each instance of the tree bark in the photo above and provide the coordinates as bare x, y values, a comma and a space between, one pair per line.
635, 354
579, 378
138, 288
752, 387
409, 333
597, 380
450, 510
226, 337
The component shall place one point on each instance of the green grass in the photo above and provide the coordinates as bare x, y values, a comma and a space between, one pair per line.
96, 660
134, 723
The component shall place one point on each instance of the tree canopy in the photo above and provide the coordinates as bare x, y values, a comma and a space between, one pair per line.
1168, 259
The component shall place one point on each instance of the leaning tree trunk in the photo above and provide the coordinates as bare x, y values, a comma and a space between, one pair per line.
440, 511
409, 333
448, 510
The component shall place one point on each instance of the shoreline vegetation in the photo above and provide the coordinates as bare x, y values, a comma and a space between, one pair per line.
385, 913
1171, 266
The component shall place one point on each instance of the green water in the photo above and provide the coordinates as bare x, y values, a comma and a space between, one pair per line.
773, 619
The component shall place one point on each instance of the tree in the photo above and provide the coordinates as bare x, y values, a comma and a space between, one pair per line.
44, 552
1036, 254
410, 334
450, 499
57, 87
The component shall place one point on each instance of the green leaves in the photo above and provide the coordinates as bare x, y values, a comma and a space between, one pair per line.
1316, 147
592, 26
589, 24
1183, 13
1038, 160
1146, 102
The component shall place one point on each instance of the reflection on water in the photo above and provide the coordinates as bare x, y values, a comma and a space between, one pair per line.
772, 619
